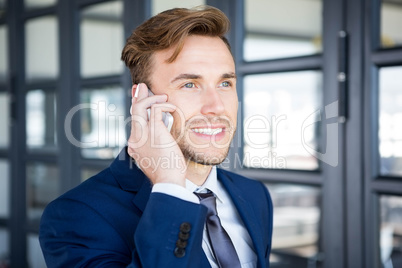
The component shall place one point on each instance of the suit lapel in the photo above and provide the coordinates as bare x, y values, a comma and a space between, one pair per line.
131, 179
247, 215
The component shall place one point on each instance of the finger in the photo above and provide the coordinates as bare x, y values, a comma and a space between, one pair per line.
139, 114
139, 129
139, 107
158, 108
139, 91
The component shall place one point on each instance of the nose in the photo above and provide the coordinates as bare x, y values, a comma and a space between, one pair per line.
212, 102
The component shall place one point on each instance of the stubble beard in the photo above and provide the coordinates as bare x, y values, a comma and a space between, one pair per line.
202, 158
190, 153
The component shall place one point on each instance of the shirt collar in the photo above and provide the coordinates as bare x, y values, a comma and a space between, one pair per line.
211, 183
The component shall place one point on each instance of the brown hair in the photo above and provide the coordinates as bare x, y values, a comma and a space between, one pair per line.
167, 29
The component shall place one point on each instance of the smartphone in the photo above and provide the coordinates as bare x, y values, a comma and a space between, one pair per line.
167, 118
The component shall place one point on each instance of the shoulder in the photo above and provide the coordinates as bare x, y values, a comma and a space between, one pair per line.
101, 184
95, 206
239, 180
92, 195
250, 189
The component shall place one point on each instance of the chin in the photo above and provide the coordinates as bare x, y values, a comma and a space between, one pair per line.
205, 157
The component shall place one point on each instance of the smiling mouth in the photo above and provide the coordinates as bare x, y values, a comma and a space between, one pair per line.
207, 131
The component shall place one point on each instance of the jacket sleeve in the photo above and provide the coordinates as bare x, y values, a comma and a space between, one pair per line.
73, 234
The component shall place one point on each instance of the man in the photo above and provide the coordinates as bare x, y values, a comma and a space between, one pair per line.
162, 202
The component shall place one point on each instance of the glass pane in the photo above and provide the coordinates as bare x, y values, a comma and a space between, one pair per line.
35, 256
101, 35
161, 5
3, 9
4, 191
276, 109
41, 119
390, 127
282, 28
391, 231
42, 187
4, 120
391, 17
4, 248
102, 122
31, 4
296, 224
42, 55
3, 54
86, 173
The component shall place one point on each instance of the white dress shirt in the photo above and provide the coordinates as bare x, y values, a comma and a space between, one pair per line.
230, 218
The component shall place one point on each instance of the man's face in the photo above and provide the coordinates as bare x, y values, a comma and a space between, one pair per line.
201, 82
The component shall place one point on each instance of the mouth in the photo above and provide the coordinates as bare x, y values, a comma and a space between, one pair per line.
208, 131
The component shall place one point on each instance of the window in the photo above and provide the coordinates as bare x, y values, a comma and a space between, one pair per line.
390, 116
102, 122
101, 24
296, 224
41, 49
276, 119
282, 28
391, 230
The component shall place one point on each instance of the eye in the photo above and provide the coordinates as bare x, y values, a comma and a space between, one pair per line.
189, 85
226, 84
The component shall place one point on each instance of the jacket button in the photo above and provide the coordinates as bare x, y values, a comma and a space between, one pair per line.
185, 227
184, 236
179, 252
181, 243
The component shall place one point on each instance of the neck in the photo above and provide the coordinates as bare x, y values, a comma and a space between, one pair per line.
197, 173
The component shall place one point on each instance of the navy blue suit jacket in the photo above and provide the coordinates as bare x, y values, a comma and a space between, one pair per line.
113, 220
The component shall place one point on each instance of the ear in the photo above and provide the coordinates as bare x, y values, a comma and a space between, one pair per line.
133, 90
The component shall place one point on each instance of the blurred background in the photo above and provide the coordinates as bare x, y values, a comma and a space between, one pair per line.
320, 119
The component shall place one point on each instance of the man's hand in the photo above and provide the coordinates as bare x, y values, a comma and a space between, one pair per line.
150, 143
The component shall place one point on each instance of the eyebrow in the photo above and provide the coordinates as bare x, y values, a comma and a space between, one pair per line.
230, 75
185, 76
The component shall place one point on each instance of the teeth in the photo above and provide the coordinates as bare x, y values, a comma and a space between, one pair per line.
207, 131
